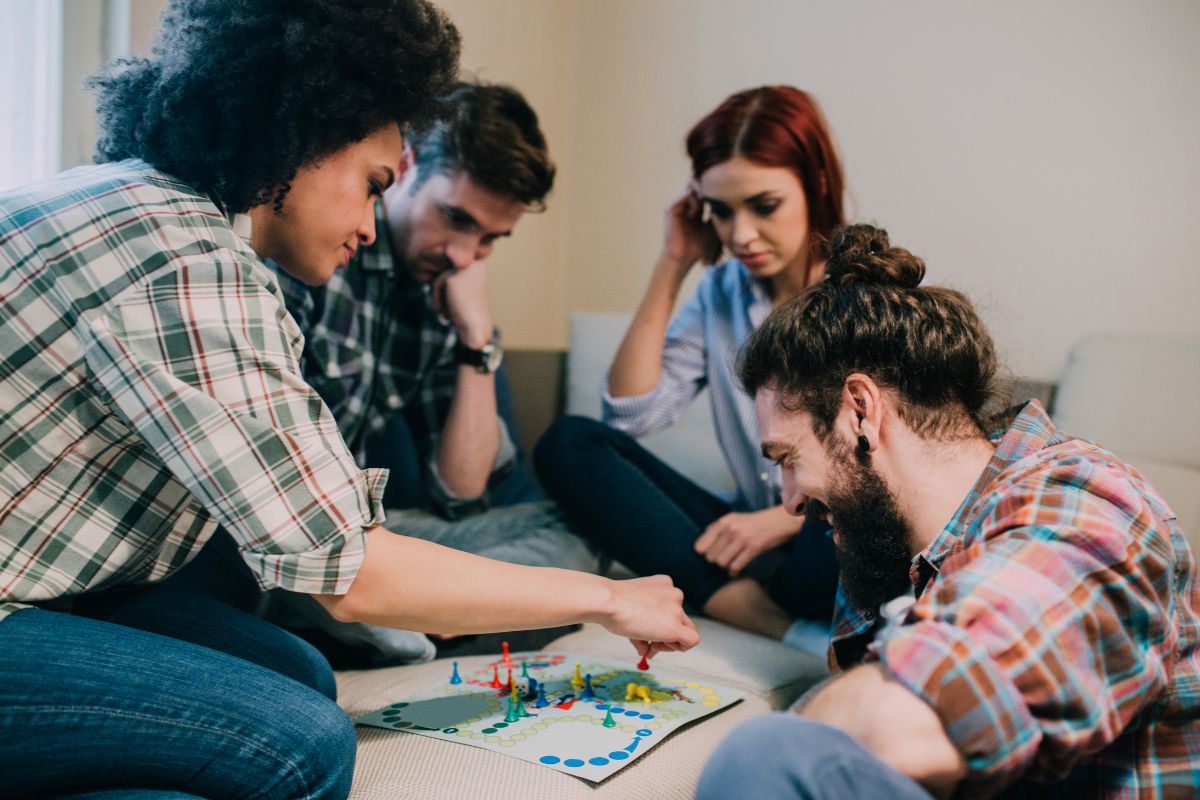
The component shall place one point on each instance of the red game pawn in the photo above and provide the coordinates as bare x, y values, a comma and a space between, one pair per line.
509, 685
643, 665
496, 684
505, 658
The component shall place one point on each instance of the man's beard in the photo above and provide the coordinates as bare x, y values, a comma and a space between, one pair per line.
873, 538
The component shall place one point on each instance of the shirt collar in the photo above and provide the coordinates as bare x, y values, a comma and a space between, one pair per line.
1029, 431
243, 226
757, 294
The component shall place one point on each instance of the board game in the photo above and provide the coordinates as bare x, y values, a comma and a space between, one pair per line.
576, 714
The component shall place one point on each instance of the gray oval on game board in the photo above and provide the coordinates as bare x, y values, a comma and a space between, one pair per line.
452, 710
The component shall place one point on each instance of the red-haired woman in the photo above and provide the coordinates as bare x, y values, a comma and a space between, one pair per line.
767, 191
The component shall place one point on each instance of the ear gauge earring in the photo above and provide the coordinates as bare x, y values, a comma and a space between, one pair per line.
864, 444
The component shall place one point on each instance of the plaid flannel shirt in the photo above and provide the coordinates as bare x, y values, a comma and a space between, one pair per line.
1055, 630
149, 391
374, 347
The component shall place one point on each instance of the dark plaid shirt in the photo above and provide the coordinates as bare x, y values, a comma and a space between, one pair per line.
376, 347
1056, 630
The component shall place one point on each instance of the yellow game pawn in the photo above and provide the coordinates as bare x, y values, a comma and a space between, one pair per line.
515, 699
577, 681
630, 692
643, 693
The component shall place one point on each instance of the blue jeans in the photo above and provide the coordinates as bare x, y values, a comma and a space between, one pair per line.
648, 516
159, 693
781, 756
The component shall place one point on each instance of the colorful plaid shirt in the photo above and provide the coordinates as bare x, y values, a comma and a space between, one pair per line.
375, 347
149, 391
1055, 630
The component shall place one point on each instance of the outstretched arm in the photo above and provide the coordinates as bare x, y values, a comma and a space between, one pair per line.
417, 585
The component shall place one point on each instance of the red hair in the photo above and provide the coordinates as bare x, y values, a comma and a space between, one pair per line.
777, 126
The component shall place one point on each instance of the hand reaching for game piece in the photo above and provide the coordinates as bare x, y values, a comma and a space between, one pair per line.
734, 540
649, 612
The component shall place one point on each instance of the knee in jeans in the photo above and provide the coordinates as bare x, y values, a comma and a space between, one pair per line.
765, 738
325, 754
311, 669
780, 743
553, 451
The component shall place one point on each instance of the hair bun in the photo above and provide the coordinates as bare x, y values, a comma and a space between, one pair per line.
862, 254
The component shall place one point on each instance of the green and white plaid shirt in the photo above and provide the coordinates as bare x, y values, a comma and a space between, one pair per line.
150, 390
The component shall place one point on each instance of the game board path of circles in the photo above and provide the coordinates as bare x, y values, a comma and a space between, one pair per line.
472, 707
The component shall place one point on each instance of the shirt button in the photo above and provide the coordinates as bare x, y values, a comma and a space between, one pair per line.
764, 476
393, 401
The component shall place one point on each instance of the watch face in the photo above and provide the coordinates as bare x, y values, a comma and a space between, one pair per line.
494, 356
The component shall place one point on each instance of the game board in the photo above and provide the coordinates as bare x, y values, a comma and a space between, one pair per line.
587, 737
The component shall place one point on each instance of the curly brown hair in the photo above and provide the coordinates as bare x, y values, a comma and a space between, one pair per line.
871, 315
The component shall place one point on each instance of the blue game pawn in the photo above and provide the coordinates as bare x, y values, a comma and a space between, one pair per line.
541, 701
454, 678
587, 695
533, 689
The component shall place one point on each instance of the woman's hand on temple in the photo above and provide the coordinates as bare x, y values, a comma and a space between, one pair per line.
687, 238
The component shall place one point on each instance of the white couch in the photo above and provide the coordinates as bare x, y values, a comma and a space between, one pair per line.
1137, 396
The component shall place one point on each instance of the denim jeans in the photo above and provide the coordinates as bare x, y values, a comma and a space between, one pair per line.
159, 692
781, 756
647, 516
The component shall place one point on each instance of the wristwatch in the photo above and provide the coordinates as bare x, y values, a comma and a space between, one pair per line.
487, 359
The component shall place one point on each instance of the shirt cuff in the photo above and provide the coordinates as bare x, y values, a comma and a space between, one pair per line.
983, 712
625, 413
332, 565
453, 506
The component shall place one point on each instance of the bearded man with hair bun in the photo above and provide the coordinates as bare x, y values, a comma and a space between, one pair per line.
1017, 614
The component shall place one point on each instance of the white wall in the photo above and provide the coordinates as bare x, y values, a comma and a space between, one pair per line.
1042, 157
527, 43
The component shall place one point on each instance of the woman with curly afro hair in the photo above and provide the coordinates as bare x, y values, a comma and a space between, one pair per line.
150, 395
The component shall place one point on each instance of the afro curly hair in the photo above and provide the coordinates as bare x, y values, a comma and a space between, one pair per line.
239, 94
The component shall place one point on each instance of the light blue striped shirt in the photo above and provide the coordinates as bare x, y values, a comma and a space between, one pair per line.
702, 346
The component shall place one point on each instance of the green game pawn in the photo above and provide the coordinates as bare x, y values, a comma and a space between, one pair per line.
522, 711
524, 671
609, 722
512, 716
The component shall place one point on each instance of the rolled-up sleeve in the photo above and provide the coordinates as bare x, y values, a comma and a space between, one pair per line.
1040, 644
202, 364
684, 374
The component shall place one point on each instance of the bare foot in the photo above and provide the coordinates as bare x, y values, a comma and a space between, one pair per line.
744, 603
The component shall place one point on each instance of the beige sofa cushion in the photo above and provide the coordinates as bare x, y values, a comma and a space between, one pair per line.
1136, 396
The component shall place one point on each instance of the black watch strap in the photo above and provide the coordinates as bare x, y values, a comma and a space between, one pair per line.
487, 359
